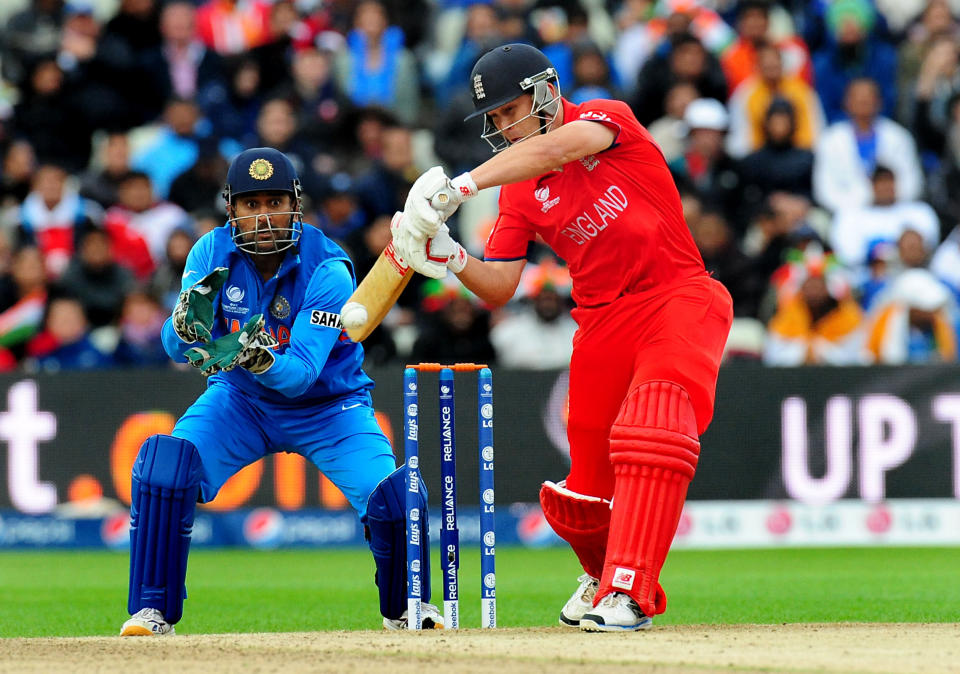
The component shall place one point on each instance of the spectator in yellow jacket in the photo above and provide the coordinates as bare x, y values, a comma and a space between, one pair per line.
749, 103
820, 323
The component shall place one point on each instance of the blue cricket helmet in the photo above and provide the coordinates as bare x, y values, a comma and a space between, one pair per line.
261, 169
264, 169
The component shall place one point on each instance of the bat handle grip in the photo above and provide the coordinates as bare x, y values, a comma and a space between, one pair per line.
444, 203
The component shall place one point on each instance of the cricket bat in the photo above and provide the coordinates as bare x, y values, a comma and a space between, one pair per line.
376, 294
380, 288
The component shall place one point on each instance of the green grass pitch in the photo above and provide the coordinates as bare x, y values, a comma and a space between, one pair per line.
84, 593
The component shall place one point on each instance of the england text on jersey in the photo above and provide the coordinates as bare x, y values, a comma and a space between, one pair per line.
594, 219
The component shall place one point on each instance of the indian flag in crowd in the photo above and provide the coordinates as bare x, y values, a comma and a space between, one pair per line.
23, 319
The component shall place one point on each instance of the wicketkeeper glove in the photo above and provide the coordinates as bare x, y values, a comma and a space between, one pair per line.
249, 348
193, 314
257, 357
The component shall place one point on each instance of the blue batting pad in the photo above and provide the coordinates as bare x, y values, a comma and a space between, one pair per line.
386, 523
166, 483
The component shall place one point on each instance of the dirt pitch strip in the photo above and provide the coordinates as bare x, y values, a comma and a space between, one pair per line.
845, 647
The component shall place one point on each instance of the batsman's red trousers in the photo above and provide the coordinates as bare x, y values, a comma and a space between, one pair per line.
675, 334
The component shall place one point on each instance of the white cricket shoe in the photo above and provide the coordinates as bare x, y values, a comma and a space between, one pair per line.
431, 619
617, 612
147, 622
580, 602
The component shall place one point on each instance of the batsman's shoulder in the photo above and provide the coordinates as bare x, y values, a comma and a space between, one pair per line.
605, 105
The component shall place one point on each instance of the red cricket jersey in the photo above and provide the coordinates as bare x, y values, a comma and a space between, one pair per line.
614, 217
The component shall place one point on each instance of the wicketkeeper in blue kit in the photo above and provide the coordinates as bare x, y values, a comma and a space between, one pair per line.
259, 313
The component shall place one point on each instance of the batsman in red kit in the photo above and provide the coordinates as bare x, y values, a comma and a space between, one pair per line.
652, 324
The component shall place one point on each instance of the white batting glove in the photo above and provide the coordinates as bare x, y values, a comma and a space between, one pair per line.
405, 238
421, 218
443, 246
434, 191
464, 187
416, 224
454, 193
413, 250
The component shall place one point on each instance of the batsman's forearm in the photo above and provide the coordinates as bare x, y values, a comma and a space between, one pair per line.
538, 155
492, 284
519, 162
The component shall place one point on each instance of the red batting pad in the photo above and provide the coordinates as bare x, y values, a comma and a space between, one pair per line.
582, 521
654, 451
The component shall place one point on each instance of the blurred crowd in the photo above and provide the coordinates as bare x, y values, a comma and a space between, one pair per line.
815, 145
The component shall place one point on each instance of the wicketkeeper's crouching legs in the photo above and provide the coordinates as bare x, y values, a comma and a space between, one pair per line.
385, 528
654, 449
166, 484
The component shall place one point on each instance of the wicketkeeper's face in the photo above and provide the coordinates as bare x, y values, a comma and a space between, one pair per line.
263, 219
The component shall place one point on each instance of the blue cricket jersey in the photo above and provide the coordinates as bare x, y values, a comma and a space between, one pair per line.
315, 360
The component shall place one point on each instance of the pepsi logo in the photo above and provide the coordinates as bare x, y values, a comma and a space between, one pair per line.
534, 530
879, 520
779, 521
263, 528
115, 530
